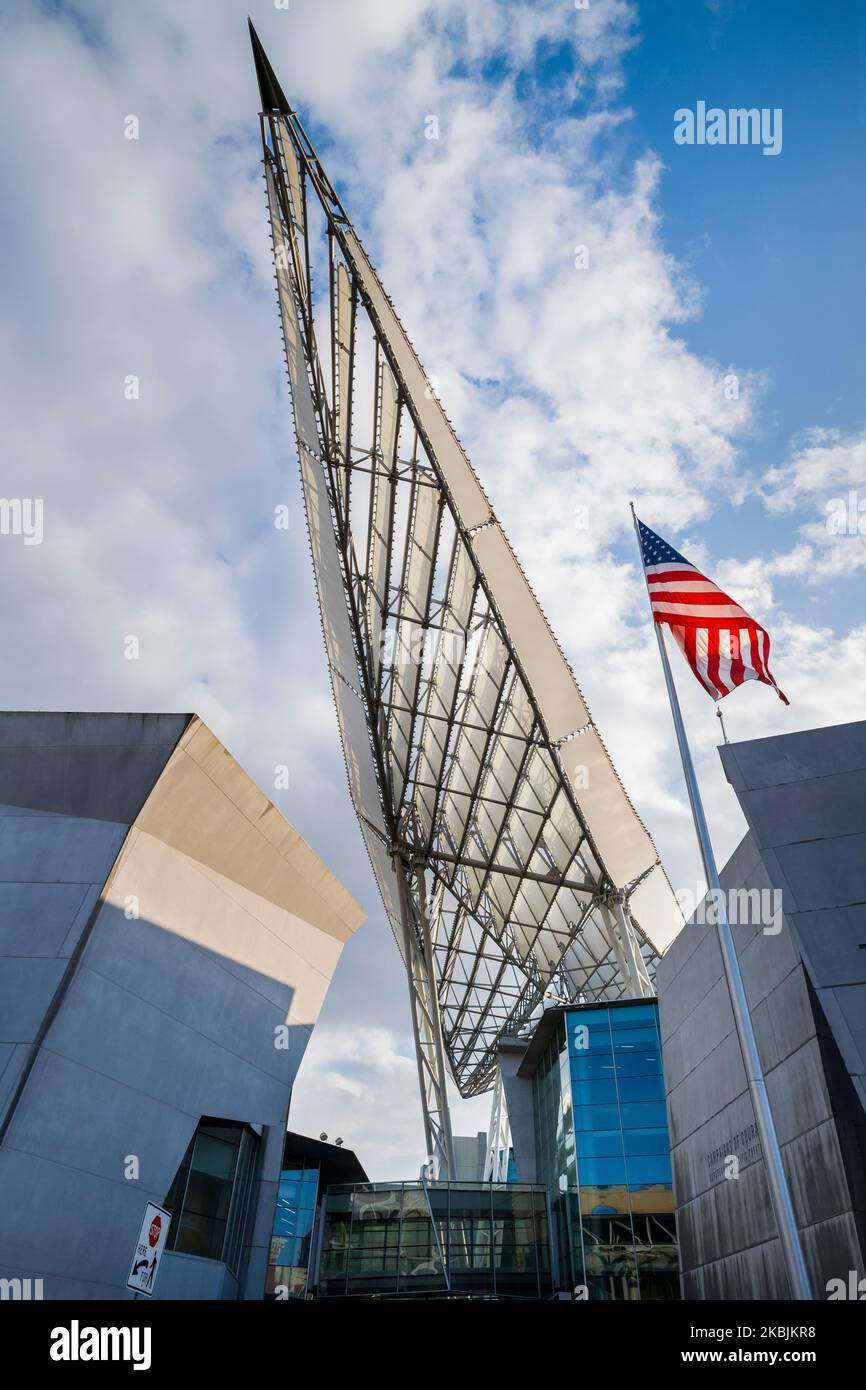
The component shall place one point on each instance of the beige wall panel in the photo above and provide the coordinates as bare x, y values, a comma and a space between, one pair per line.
202, 906
194, 814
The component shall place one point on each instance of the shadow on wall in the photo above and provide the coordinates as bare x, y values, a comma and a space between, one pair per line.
153, 1033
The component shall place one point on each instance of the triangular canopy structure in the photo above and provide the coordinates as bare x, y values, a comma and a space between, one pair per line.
511, 863
270, 91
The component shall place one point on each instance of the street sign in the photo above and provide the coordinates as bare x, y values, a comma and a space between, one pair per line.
148, 1251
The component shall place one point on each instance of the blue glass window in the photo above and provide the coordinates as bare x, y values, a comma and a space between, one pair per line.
596, 1117
593, 1092
599, 1144
644, 1115
586, 1037
289, 1252
601, 1172
646, 1141
293, 1225
633, 1016
606, 1134
590, 1017
592, 1066
640, 1062
649, 1168
289, 1193
642, 1087
304, 1224
627, 1038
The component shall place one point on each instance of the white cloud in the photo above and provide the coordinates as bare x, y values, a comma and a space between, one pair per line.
826, 475
361, 1085
822, 464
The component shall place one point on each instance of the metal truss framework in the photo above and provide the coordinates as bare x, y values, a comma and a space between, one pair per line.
511, 864
498, 1135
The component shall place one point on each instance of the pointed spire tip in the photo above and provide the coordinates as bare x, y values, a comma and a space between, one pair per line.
271, 93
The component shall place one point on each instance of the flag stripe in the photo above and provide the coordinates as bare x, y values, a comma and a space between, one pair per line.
665, 572
713, 661
723, 645
738, 670
695, 618
690, 596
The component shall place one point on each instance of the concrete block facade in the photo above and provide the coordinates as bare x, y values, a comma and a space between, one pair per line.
160, 923
804, 798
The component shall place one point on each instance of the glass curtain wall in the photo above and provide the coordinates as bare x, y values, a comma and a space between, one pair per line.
388, 1239
291, 1241
209, 1197
604, 1150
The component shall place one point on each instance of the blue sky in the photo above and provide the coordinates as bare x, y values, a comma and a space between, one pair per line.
775, 242
568, 387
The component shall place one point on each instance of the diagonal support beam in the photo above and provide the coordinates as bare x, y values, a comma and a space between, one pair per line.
498, 1135
426, 1021
626, 947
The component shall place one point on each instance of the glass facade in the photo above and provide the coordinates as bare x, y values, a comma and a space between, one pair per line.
463, 1239
603, 1149
209, 1197
597, 1223
291, 1241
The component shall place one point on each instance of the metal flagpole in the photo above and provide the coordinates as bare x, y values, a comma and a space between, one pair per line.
780, 1194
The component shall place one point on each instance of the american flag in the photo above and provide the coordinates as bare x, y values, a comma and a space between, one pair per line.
721, 643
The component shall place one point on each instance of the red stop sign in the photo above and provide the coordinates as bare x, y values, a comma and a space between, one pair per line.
155, 1228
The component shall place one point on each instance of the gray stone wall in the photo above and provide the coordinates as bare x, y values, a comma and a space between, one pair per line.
519, 1103
802, 844
804, 798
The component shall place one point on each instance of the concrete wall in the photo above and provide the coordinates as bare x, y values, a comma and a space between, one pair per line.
727, 1236
519, 1103
470, 1156
70, 786
203, 924
804, 798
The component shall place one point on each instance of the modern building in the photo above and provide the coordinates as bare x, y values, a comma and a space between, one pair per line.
587, 1211
338, 1235
586, 1103
796, 887
166, 942
310, 1167
437, 1240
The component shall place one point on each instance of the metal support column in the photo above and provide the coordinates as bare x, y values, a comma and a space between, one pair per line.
426, 1022
498, 1135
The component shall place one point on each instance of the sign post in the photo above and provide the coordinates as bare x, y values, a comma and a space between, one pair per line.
148, 1251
